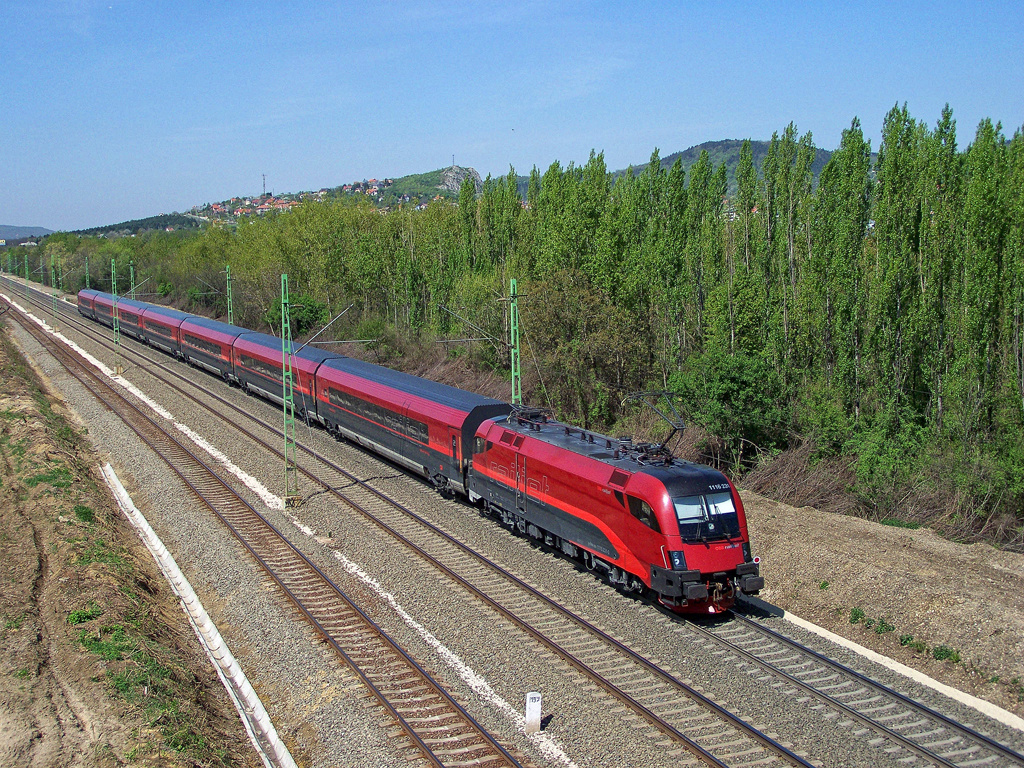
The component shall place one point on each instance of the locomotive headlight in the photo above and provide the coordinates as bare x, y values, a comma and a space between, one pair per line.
678, 561
746, 552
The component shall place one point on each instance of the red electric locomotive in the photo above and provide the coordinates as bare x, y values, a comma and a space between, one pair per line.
647, 521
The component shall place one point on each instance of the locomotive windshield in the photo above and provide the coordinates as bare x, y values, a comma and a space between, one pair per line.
706, 517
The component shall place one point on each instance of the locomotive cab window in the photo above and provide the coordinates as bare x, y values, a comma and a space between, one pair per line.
708, 516
642, 511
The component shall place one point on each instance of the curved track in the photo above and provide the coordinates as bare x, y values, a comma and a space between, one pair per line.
914, 728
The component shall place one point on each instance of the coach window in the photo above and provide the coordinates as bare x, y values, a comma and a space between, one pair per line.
642, 511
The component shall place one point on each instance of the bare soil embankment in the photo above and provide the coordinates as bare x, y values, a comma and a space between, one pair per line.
98, 665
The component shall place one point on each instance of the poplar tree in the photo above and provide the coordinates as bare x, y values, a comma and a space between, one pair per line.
836, 267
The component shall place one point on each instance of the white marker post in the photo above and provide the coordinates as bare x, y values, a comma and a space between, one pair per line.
533, 712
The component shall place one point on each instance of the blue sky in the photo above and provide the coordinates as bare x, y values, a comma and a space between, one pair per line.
117, 110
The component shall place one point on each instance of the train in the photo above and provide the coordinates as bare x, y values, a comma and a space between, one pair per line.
648, 523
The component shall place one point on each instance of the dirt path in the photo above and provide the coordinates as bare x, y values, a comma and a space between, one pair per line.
99, 667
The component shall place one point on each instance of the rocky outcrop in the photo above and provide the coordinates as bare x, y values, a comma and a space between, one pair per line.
452, 178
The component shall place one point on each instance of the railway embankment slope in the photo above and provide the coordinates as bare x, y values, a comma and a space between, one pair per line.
98, 666
953, 611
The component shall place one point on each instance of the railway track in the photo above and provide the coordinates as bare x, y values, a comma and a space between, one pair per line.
909, 726
901, 730
432, 722
676, 713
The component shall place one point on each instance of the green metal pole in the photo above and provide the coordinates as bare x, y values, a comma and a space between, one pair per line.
231, 307
291, 475
513, 308
87, 271
117, 325
53, 293
131, 268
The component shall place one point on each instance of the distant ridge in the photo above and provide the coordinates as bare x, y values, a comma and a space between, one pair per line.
11, 232
167, 221
727, 151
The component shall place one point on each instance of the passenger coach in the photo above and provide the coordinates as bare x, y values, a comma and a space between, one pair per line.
257, 368
423, 425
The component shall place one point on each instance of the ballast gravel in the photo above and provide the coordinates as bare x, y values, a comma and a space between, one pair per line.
319, 706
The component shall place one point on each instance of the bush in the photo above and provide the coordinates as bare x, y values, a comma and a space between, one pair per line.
84, 513
85, 614
739, 398
908, 641
380, 337
883, 626
895, 523
886, 450
307, 314
823, 418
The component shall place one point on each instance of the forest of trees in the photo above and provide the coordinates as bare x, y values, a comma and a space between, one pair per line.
876, 316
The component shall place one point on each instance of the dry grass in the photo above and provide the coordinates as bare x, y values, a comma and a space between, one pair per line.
928, 499
794, 477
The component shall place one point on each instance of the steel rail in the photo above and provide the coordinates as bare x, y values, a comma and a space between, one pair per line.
916, 706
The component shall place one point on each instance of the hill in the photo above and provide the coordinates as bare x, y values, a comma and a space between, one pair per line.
419, 187
11, 232
444, 181
167, 221
727, 151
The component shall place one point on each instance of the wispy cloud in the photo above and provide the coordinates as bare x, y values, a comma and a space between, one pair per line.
564, 82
